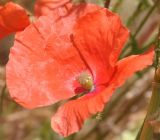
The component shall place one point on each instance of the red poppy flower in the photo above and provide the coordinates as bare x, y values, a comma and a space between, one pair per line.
12, 18
56, 59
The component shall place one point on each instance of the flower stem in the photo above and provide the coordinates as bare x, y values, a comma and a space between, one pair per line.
117, 5
1, 98
147, 131
143, 22
107, 2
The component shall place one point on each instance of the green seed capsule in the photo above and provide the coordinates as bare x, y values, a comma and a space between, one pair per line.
86, 81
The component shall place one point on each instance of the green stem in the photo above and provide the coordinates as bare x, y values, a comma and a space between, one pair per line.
146, 18
117, 5
140, 26
106, 4
135, 14
1, 98
146, 132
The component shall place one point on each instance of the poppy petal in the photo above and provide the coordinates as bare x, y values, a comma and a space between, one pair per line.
71, 116
43, 66
100, 36
12, 18
129, 65
69, 13
44, 7
43, 63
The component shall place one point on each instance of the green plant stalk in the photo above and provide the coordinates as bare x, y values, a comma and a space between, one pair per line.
117, 5
106, 4
146, 18
1, 98
135, 14
143, 22
146, 132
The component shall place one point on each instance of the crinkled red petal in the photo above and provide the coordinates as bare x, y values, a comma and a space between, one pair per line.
43, 63
100, 36
42, 66
129, 65
44, 7
71, 116
13, 18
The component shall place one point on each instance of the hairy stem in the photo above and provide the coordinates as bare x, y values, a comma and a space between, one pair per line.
146, 132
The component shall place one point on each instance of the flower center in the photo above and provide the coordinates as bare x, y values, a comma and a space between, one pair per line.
86, 81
